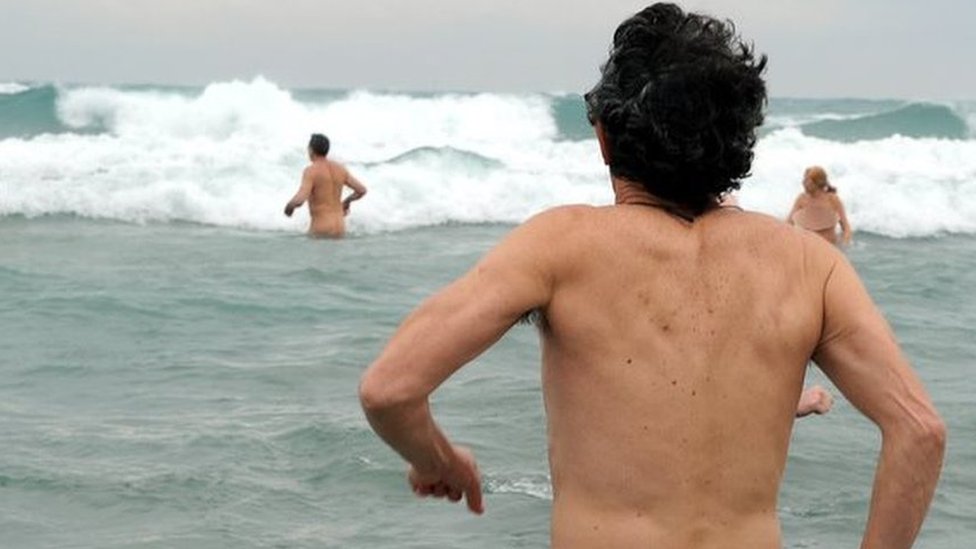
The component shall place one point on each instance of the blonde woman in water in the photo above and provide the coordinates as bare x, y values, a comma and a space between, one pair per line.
819, 209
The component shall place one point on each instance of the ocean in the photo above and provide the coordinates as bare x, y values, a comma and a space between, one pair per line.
178, 362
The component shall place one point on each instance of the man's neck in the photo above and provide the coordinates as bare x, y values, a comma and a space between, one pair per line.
630, 193
634, 194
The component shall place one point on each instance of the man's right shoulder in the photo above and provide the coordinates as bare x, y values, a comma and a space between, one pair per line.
562, 221
559, 228
569, 213
553, 238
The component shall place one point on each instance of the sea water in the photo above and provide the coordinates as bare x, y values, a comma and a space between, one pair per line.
178, 364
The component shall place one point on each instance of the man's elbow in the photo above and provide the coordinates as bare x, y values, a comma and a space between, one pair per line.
934, 434
927, 433
378, 393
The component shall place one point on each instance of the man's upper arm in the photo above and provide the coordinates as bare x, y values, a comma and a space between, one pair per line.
305, 189
458, 323
859, 353
353, 183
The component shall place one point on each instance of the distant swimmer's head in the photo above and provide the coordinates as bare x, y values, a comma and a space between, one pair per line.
815, 179
678, 103
318, 145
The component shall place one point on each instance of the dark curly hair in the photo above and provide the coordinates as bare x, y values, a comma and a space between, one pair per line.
679, 101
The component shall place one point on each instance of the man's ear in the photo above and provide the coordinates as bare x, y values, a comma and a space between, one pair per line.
601, 136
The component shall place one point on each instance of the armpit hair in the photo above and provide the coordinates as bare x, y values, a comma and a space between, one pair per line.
535, 318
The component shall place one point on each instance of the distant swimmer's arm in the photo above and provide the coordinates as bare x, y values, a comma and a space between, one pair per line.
859, 353
814, 400
358, 191
845, 225
796, 207
302, 195
446, 332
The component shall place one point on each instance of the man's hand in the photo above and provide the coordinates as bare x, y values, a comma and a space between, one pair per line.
345, 207
460, 478
289, 209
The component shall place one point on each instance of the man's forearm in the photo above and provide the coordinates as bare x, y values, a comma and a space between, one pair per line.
296, 201
409, 429
908, 472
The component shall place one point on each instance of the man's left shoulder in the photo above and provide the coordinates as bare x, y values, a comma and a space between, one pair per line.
763, 221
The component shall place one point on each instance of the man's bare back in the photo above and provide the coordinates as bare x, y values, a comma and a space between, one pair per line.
680, 350
322, 183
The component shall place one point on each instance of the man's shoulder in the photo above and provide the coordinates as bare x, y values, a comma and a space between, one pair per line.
785, 240
327, 163
563, 221
334, 164
560, 227
567, 213
768, 225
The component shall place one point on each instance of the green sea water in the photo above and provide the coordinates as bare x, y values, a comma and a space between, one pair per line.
184, 385
178, 364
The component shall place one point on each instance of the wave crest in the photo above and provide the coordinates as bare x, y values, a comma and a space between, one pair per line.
919, 120
231, 155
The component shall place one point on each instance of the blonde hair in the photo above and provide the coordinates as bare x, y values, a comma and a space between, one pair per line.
819, 176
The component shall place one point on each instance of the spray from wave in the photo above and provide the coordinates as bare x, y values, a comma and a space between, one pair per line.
12, 88
231, 154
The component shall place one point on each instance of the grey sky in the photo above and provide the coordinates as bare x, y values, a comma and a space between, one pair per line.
817, 48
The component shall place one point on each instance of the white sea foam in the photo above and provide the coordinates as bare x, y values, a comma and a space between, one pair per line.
231, 156
897, 186
12, 88
968, 111
538, 486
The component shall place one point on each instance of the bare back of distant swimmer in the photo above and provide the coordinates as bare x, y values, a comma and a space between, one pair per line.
325, 200
322, 184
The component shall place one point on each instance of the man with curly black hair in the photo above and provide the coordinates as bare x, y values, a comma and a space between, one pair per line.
675, 331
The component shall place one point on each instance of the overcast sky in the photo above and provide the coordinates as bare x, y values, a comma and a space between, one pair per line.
817, 48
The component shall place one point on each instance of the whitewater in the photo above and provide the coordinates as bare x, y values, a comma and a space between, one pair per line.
230, 154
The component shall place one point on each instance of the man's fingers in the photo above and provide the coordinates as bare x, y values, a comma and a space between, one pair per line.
472, 494
470, 489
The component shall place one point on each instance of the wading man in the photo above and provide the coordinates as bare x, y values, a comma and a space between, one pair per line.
322, 184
